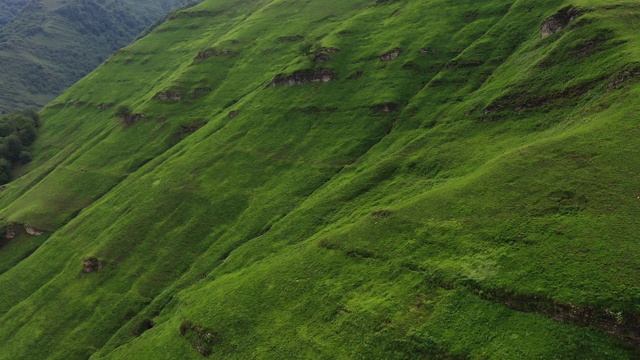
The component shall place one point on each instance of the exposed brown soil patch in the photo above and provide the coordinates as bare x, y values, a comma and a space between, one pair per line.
91, 264
205, 54
388, 56
175, 95
322, 75
559, 20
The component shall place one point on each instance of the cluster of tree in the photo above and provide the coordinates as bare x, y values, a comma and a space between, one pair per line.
17, 132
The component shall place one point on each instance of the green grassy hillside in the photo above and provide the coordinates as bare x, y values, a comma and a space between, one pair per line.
338, 180
48, 45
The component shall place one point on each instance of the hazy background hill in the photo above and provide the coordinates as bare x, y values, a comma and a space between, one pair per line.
47, 45
9, 9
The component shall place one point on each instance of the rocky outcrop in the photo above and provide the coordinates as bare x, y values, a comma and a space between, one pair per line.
205, 54
388, 56
559, 21
91, 264
622, 325
175, 95
322, 55
191, 128
10, 232
33, 231
301, 77
524, 100
13, 230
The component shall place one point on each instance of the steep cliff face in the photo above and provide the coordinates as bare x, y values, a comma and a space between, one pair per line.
462, 185
47, 45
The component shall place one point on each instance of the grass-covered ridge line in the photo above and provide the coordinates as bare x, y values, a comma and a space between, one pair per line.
461, 186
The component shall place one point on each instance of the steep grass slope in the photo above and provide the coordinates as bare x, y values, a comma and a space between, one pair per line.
48, 45
331, 179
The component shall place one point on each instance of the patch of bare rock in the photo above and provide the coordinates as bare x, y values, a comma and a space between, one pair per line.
559, 20
390, 55
322, 75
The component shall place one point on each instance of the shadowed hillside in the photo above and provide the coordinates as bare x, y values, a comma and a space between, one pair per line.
292, 179
47, 45
9, 9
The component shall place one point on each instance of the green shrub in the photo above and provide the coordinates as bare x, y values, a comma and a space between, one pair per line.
5, 171
123, 112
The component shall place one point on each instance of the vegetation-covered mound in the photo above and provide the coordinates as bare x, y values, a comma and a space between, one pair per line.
339, 179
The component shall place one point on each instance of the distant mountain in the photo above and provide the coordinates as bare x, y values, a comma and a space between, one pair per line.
47, 45
9, 9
